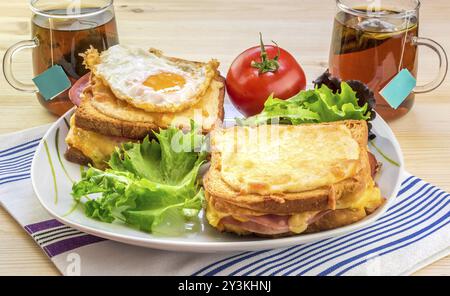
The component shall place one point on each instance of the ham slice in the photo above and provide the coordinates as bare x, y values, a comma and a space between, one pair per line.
374, 166
77, 88
267, 224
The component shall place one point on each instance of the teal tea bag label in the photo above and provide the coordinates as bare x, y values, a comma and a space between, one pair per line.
398, 89
52, 82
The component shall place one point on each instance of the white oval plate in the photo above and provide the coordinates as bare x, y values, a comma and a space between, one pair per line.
53, 188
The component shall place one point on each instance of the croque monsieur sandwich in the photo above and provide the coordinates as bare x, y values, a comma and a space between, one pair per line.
277, 180
133, 92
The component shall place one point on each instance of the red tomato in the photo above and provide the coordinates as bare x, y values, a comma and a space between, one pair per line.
248, 87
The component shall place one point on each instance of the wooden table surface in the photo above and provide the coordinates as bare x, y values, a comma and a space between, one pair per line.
201, 29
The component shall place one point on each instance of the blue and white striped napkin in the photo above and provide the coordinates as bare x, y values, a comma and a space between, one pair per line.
412, 234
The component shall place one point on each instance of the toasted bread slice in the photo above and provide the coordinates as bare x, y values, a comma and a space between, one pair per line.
288, 203
337, 218
317, 199
72, 154
101, 112
314, 200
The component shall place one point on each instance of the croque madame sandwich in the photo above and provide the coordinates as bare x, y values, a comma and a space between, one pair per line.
133, 92
277, 180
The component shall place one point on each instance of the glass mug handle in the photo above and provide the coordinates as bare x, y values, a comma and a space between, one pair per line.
8, 61
443, 64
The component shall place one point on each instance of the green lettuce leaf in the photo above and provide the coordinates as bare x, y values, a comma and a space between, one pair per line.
312, 106
150, 185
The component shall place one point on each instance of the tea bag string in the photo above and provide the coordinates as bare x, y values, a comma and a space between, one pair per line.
50, 21
408, 17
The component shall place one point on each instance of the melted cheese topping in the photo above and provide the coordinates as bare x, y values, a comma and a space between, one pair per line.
93, 145
281, 158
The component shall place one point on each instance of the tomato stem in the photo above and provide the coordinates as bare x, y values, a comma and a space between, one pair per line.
266, 64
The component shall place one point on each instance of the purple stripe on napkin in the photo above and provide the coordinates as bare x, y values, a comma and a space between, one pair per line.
32, 228
70, 244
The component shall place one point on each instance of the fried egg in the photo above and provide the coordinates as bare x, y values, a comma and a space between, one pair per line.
150, 81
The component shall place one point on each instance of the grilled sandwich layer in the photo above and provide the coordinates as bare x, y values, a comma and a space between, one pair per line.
322, 178
96, 148
102, 121
304, 199
100, 111
242, 221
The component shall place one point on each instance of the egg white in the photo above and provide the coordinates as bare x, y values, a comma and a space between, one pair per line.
125, 70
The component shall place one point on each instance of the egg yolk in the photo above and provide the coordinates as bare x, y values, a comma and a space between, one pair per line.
164, 80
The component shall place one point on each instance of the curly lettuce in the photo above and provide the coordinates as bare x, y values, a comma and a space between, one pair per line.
313, 106
150, 185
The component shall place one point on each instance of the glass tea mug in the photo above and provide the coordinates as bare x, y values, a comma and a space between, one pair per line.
60, 31
374, 40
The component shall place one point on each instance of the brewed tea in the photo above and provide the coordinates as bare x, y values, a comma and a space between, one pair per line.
374, 50
62, 39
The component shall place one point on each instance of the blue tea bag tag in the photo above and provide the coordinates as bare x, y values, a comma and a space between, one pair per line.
52, 82
398, 89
